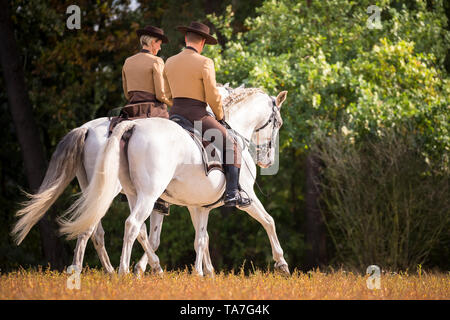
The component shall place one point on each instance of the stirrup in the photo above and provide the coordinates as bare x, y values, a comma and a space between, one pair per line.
237, 200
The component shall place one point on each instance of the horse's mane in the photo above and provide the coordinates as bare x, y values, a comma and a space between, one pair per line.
238, 95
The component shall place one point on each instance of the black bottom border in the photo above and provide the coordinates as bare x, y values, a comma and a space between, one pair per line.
223, 309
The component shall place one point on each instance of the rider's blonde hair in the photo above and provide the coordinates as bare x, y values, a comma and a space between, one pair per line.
147, 40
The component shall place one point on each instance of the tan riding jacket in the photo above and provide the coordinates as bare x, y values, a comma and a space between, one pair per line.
144, 72
191, 75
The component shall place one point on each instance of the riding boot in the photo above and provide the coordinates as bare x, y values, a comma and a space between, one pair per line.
233, 197
162, 207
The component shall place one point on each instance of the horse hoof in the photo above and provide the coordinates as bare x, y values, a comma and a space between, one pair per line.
210, 274
110, 271
138, 273
138, 270
282, 269
157, 271
123, 272
198, 274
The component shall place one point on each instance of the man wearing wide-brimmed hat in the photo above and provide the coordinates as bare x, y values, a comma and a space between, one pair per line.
191, 79
143, 85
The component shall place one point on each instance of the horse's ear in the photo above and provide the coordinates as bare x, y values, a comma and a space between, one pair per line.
280, 98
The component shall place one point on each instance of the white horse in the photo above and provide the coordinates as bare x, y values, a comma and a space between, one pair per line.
163, 161
75, 155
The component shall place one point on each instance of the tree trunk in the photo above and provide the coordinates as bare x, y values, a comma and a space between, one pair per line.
26, 130
316, 254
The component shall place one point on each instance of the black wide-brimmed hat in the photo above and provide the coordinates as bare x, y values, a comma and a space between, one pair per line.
153, 32
200, 29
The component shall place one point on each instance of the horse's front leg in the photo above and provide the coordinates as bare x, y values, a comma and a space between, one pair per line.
207, 264
257, 211
154, 234
199, 218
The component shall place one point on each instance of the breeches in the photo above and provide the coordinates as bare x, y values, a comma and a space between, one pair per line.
212, 130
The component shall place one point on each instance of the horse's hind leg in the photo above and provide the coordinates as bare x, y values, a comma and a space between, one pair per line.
145, 243
257, 211
199, 218
97, 234
80, 248
133, 225
98, 238
156, 221
140, 267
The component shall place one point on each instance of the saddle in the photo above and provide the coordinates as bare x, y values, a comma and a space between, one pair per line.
139, 111
211, 155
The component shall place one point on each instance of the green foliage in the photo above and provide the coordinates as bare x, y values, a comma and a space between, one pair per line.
345, 78
74, 76
381, 202
338, 71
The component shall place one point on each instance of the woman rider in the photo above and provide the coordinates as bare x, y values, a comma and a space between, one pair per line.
143, 84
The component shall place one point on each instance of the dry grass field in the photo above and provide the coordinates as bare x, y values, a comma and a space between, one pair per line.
180, 285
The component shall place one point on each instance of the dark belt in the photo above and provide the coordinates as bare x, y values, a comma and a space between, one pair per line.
141, 96
191, 109
188, 102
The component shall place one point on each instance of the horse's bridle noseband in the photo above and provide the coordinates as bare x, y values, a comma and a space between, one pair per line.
272, 116
272, 119
246, 142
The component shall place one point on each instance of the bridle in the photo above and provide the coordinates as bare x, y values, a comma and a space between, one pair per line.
272, 119
247, 142
258, 147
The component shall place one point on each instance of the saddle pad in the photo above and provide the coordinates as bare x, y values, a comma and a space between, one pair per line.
211, 155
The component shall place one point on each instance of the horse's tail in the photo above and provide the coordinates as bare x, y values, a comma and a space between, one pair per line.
93, 204
61, 170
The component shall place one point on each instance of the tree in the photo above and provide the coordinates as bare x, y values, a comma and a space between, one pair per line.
343, 76
27, 132
73, 76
